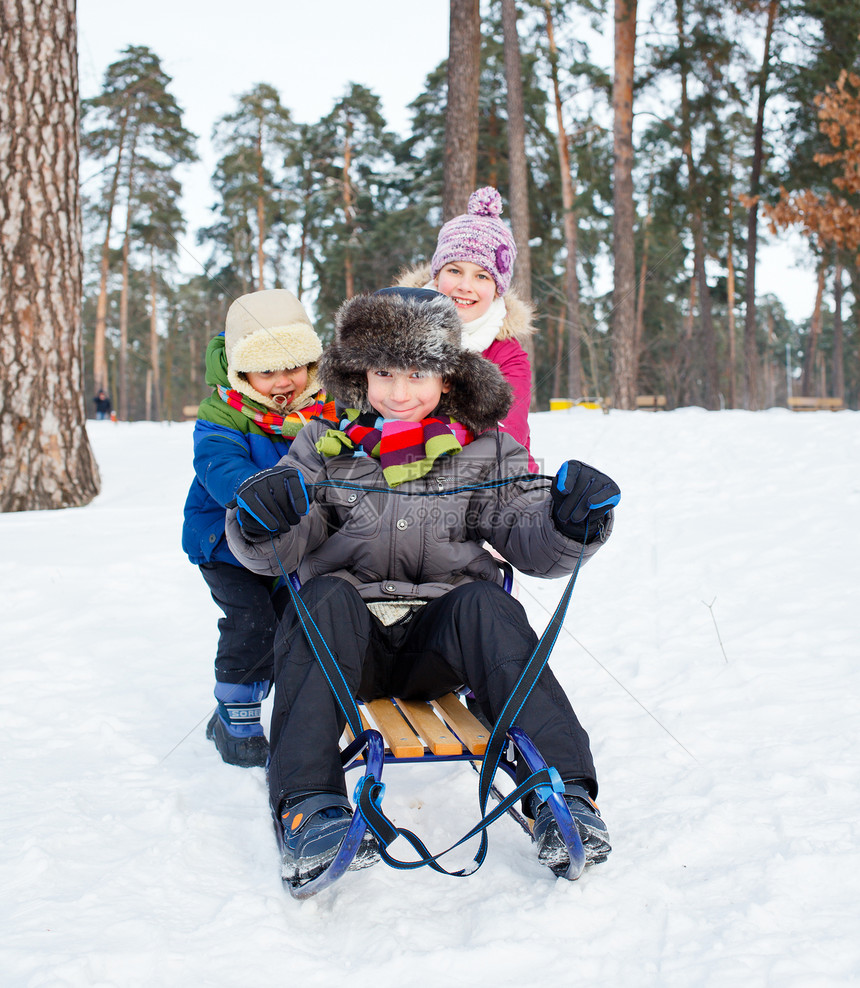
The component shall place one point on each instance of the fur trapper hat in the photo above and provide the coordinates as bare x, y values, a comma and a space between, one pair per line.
402, 328
266, 331
479, 236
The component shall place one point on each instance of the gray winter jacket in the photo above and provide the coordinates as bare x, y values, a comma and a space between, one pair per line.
399, 543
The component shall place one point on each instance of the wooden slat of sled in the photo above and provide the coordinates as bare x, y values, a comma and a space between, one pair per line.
465, 725
398, 735
437, 735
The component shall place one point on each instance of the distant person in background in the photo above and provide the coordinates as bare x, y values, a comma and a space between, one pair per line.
103, 405
263, 372
473, 265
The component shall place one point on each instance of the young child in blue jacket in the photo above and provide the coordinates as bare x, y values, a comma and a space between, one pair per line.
262, 369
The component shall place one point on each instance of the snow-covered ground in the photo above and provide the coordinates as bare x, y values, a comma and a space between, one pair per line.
711, 649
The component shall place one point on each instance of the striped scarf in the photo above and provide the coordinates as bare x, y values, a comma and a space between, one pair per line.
273, 423
405, 450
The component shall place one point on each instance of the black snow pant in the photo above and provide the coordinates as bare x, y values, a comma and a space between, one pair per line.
477, 635
247, 630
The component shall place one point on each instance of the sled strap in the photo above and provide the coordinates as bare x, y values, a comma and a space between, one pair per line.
525, 684
368, 797
328, 663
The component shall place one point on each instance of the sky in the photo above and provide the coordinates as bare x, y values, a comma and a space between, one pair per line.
710, 650
310, 53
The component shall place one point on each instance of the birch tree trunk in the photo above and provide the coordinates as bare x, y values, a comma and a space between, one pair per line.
461, 114
45, 456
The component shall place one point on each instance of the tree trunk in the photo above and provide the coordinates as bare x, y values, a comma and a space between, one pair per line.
624, 363
261, 212
169, 357
639, 332
838, 343
45, 456
750, 347
518, 178
559, 352
571, 282
123, 296
100, 374
706, 371
347, 212
153, 340
461, 114
730, 302
768, 369
807, 379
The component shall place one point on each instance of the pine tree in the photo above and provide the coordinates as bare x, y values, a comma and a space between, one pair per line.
354, 170
135, 124
255, 205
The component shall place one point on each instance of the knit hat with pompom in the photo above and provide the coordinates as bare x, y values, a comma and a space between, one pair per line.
478, 236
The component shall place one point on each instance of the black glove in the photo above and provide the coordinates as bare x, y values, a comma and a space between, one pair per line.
271, 502
581, 499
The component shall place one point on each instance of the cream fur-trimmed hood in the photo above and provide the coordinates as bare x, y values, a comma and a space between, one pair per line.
270, 330
518, 322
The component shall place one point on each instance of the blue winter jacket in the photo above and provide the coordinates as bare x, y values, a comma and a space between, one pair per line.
229, 447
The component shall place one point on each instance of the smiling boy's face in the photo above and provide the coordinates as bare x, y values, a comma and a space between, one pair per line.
280, 385
409, 396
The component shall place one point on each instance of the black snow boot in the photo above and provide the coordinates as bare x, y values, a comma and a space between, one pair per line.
245, 750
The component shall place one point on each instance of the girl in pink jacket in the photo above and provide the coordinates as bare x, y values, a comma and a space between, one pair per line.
473, 265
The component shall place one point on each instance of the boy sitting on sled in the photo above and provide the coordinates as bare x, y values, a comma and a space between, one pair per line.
401, 584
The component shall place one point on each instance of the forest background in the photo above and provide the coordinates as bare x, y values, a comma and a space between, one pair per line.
744, 116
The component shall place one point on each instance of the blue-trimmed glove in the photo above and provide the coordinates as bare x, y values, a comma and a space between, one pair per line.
271, 502
581, 499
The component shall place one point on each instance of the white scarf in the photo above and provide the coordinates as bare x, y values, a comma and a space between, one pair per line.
480, 333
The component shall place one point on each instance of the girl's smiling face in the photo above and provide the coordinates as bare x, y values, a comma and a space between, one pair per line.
471, 288
409, 396
280, 385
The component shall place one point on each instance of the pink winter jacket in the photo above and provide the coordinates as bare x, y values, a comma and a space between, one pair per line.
507, 352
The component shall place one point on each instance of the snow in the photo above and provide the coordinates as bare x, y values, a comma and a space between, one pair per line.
710, 649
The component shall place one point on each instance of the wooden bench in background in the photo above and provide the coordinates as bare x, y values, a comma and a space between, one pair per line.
816, 404
189, 412
651, 403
